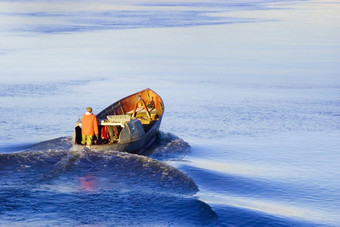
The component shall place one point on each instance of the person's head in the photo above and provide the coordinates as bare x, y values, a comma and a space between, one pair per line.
89, 109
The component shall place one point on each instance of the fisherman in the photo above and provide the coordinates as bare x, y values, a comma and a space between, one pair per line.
89, 127
112, 133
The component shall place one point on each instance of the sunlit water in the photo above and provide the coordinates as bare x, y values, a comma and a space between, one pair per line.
250, 135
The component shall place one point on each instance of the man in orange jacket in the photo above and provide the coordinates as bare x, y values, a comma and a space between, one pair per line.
89, 127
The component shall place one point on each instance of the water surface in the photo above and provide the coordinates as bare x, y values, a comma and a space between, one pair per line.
251, 125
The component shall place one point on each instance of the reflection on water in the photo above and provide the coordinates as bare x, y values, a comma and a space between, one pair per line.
88, 182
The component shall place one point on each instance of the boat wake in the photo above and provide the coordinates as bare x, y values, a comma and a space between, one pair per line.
49, 160
114, 184
169, 147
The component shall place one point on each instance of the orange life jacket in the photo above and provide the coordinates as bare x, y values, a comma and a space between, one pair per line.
89, 125
105, 132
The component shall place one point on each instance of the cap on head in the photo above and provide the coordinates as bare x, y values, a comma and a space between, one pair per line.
89, 109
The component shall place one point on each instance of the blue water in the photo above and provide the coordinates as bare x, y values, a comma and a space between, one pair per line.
250, 135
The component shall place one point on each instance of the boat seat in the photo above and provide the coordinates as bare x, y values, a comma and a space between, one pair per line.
141, 110
119, 118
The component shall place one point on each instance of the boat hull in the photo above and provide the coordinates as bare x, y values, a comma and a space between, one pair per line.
137, 146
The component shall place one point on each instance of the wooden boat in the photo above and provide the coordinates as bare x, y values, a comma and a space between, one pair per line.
134, 121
